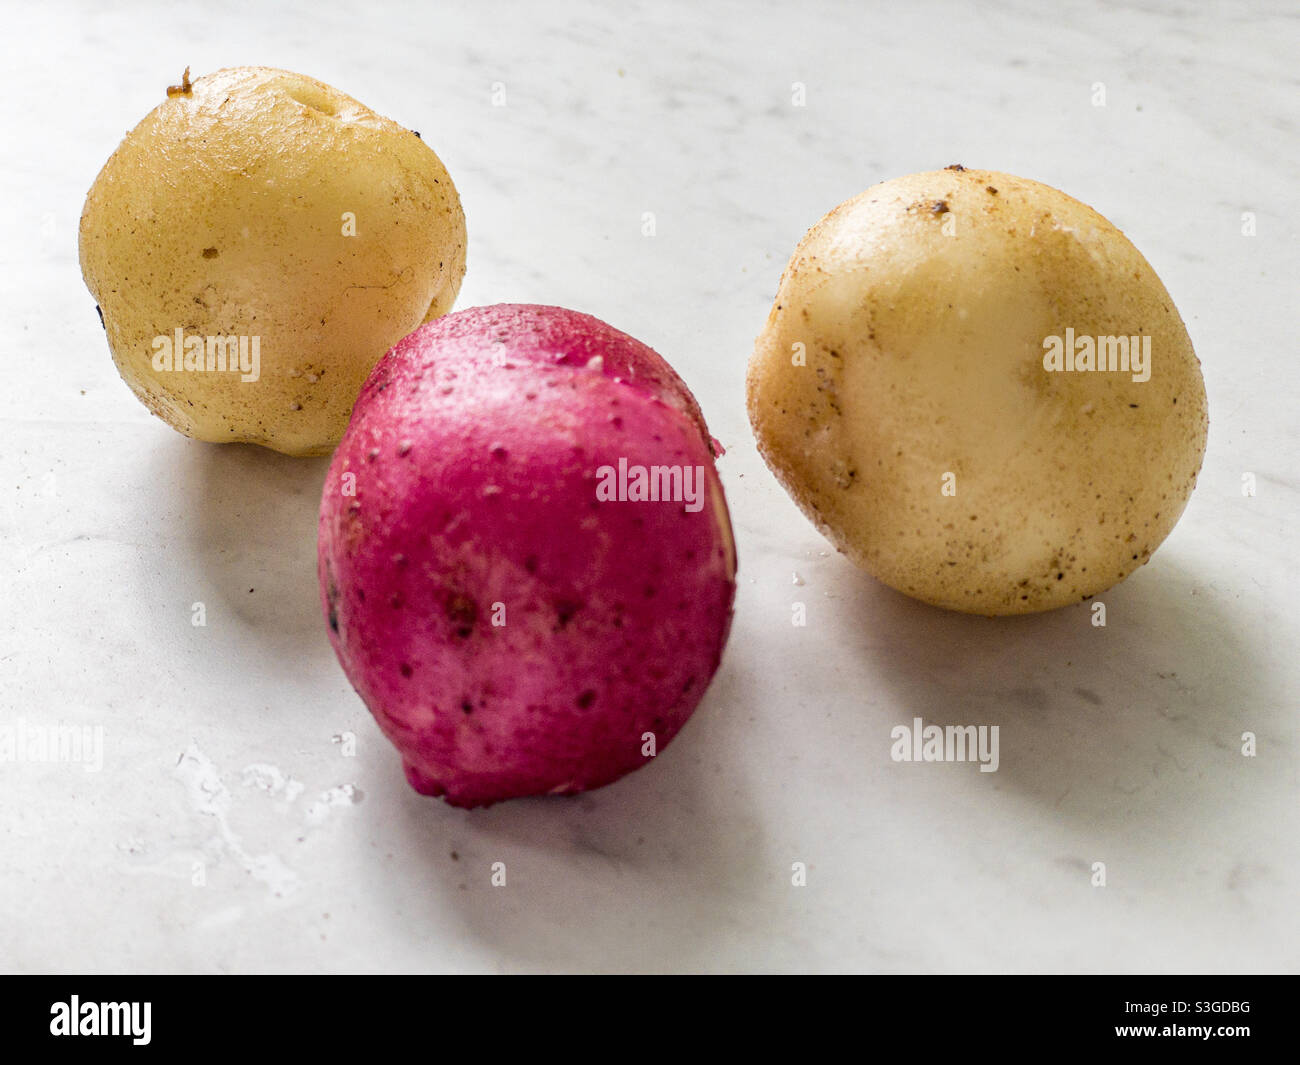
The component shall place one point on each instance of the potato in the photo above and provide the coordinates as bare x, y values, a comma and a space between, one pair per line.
905, 391
520, 617
263, 216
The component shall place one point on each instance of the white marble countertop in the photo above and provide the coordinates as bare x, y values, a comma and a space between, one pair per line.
221, 753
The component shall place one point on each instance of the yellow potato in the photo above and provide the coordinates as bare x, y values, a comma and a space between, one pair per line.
906, 392
300, 231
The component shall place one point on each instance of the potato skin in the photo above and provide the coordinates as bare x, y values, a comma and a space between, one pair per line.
922, 305
474, 447
221, 214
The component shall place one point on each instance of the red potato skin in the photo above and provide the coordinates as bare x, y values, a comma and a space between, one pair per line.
475, 446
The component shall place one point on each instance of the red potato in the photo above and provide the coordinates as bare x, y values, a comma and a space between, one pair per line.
516, 617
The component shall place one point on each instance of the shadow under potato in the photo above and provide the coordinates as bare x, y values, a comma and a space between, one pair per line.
629, 876
1137, 723
249, 521
641, 875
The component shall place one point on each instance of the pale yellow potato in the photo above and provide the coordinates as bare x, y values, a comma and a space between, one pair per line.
226, 212
922, 307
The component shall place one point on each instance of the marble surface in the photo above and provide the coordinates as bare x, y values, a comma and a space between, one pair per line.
237, 755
